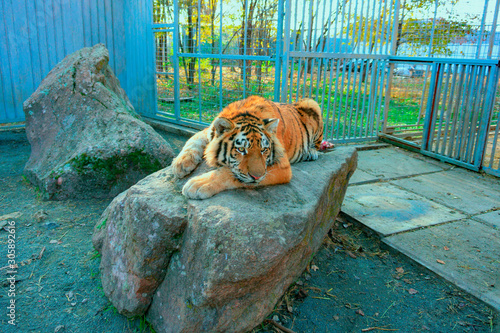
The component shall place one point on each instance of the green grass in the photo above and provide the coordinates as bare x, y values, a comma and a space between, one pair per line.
345, 107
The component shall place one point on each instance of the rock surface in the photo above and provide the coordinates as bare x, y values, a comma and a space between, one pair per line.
220, 264
86, 139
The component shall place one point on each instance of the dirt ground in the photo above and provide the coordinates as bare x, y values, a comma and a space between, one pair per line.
353, 284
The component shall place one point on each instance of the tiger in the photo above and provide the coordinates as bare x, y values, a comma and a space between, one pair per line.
251, 143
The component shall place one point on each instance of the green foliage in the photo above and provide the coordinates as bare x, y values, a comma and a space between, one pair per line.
102, 224
145, 325
95, 255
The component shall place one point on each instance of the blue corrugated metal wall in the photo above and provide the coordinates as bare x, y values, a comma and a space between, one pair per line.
36, 34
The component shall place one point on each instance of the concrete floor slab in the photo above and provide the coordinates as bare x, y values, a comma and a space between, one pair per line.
360, 176
467, 252
387, 209
390, 163
492, 218
464, 190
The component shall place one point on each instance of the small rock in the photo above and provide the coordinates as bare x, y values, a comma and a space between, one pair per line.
59, 328
51, 225
40, 215
276, 318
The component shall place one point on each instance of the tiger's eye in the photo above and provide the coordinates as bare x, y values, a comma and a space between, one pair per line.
240, 149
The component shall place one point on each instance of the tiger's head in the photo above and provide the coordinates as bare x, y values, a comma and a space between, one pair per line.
246, 144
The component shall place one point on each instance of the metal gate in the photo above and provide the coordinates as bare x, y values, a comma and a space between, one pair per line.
459, 110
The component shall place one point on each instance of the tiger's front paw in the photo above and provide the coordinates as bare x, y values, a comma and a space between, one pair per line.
185, 163
200, 187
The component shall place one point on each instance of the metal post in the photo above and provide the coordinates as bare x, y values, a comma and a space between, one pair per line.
434, 27
175, 56
279, 51
220, 59
394, 42
286, 53
481, 31
493, 29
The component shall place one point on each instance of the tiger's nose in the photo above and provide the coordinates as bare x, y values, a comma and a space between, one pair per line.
255, 177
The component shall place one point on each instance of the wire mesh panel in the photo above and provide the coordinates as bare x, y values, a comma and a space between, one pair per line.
458, 112
224, 50
337, 54
457, 29
405, 112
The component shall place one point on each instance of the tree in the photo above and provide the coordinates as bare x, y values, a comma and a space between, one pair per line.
162, 12
417, 33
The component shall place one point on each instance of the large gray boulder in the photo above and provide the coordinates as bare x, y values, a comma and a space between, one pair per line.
86, 139
220, 264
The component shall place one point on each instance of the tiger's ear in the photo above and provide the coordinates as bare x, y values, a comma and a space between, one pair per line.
223, 125
271, 125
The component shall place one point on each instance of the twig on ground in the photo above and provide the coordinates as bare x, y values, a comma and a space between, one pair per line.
63, 235
41, 253
281, 327
378, 328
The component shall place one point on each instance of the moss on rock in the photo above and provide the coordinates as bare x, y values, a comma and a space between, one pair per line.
116, 166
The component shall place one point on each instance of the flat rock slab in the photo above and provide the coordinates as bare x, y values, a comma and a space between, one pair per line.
469, 192
220, 264
471, 261
388, 163
387, 209
361, 177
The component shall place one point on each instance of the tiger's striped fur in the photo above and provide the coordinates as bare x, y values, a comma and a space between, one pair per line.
252, 142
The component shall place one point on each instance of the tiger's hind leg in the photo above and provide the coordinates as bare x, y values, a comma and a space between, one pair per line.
191, 155
311, 155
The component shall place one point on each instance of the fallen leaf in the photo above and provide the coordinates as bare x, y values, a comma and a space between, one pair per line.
350, 254
407, 281
400, 270
54, 241
314, 267
440, 261
446, 248
412, 291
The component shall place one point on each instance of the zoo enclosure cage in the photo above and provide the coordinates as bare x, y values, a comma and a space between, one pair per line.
419, 73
